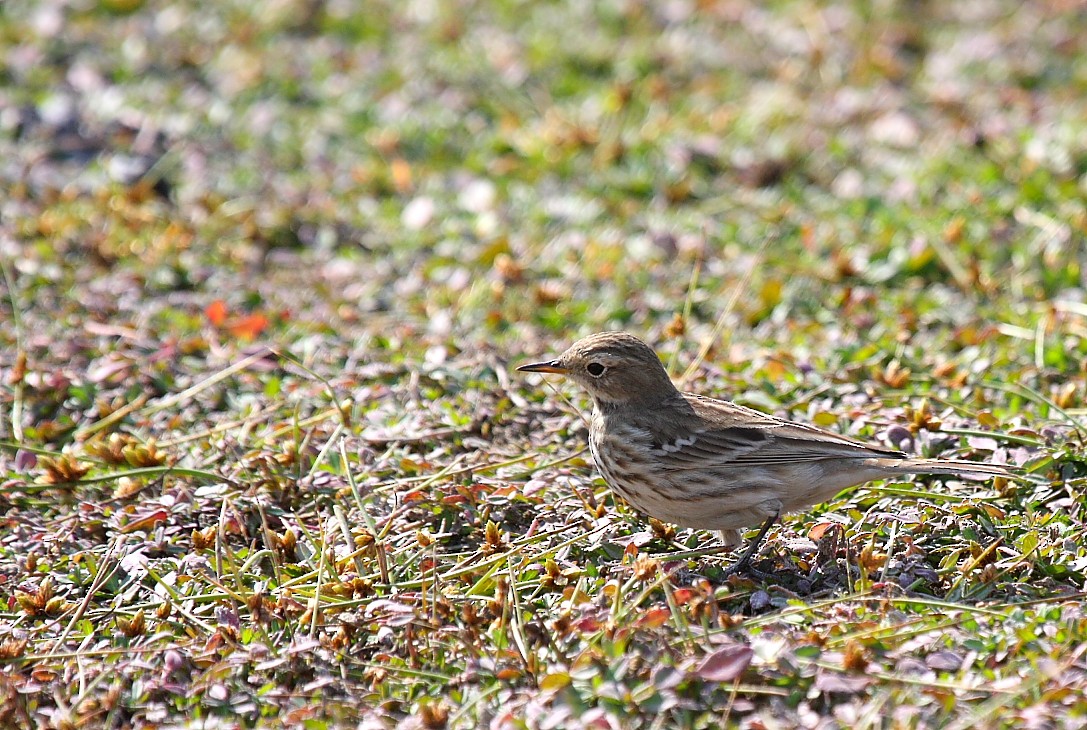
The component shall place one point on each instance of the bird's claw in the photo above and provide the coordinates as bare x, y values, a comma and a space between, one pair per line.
746, 568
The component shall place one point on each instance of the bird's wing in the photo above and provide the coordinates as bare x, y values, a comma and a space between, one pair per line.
730, 435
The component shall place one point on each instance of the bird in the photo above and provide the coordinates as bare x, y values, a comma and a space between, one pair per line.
706, 463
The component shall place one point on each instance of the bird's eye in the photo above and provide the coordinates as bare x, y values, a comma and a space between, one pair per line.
595, 369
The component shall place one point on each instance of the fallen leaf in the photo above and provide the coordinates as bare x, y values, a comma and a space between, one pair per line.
654, 618
250, 327
834, 682
555, 681
216, 312
683, 596
759, 600
725, 664
146, 522
944, 661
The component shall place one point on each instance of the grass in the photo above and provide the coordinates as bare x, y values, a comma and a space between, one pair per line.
268, 270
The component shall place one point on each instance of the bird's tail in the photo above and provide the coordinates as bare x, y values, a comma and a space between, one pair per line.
954, 467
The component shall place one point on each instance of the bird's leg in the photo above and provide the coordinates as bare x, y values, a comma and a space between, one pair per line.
743, 565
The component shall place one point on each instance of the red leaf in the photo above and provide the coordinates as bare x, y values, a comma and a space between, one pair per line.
216, 312
654, 617
588, 625
684, 595
146, 522
250, 327
726, 664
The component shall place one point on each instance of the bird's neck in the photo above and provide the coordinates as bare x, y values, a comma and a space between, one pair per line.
650, 399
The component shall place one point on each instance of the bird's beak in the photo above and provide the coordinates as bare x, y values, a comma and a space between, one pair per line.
552, 366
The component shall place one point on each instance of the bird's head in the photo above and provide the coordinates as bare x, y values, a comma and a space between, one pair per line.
614, 367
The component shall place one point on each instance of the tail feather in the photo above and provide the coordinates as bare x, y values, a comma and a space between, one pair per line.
955, 467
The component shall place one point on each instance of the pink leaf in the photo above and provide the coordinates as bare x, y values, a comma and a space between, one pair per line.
25, 460
848, 683
725, 664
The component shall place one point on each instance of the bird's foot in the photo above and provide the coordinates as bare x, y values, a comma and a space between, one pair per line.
746, 568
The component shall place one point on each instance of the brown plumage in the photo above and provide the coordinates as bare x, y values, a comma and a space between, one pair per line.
708, 463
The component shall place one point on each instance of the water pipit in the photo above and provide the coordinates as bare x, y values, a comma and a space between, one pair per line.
710, 464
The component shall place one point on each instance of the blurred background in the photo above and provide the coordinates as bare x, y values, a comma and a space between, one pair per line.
500, 172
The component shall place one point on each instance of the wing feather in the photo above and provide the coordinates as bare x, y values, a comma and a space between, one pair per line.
729, 435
